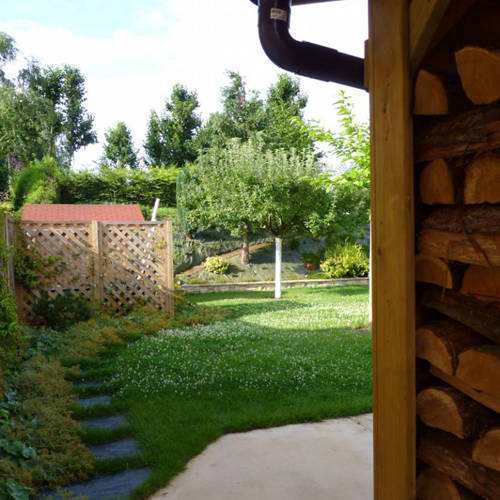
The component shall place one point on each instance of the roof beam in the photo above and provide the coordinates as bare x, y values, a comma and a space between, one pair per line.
425, 17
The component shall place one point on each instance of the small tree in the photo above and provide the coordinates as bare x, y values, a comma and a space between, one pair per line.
119, 148
242, 188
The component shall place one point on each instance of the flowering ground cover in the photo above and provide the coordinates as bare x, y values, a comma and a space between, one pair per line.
303, 358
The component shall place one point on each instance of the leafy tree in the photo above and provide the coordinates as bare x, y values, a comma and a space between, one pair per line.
27, 122
284, 112
64, 88
350, 210
243, 115
119, 148
170, 136
243, 187
8, 53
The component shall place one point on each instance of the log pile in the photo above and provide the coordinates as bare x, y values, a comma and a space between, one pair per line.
457, 179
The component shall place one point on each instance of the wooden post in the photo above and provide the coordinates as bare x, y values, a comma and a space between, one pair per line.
8, 238
277, 267
169, 266
393, 251
96, 243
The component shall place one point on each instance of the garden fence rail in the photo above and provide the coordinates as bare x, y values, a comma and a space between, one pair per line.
115, 264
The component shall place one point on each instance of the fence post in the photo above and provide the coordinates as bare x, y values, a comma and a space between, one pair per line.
169, 266
8, 238
96, 243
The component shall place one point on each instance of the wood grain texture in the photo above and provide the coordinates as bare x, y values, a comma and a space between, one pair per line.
482, 180
436, 183
393, 251
486, 450
434, 485
430, 269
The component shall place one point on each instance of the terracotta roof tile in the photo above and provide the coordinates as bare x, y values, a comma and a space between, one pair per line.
82, 212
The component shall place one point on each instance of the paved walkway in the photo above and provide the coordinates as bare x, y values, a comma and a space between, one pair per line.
331, 460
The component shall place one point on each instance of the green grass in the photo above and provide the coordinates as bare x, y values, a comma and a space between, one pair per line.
269, 363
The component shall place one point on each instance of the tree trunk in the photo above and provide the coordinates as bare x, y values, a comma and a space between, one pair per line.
245, 250
277, 268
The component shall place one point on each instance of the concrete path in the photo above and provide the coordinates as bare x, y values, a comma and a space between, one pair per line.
331, 460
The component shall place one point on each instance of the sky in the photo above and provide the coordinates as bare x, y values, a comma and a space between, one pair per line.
133, 52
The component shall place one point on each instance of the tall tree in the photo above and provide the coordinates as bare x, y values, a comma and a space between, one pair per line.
243, 115
8, 52
119, 148
170, 136
285, 105
65, 89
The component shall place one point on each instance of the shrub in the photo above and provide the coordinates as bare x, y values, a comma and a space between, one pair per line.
348, 260
312, 258
216, 265
294, 244
62, 311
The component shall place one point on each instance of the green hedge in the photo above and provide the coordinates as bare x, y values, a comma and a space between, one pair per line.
120, 185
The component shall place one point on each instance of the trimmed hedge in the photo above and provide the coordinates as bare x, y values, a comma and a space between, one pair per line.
120, 185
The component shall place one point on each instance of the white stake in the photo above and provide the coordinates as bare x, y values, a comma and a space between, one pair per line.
277, 269
155, 210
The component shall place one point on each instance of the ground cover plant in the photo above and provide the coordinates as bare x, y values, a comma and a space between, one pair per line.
269, 363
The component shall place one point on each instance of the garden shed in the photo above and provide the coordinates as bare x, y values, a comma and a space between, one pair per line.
432, 68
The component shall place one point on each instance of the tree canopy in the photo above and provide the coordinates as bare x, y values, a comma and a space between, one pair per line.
170, 138
118, 150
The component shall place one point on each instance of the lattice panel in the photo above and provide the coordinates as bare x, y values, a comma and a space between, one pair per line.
68, 246
134, 265
116, 264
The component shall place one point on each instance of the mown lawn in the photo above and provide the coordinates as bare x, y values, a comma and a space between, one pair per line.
302, 358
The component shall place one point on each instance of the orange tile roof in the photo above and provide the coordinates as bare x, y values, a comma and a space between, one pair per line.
45, 212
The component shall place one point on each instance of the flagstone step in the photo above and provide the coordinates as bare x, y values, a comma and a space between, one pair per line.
109, 422
107, 487
123, 448
94, 401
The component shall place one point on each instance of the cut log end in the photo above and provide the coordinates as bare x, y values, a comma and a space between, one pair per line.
479, 367
482, 282
434, 485
441, 341
436, 183
430, 95
429, 269
486, 450
479, 70
482, 180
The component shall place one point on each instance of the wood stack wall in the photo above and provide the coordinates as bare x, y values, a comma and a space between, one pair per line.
457, 222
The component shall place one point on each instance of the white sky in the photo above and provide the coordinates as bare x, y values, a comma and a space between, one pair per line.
133, 52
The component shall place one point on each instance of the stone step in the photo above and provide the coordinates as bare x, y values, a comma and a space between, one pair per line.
107, 487
88, 383
123, 448
93, 401
110, 422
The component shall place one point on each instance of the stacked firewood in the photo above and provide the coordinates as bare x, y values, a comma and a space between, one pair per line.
457, 159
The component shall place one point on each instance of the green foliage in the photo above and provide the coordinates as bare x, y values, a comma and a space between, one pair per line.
61, 311
170, 135
312, 258
350, 209
37, 183
348, 260
119, 148
216, 265
242, 188
8, 52
120, 185
64, 89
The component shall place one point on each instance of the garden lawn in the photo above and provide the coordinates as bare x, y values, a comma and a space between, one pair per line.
303, 358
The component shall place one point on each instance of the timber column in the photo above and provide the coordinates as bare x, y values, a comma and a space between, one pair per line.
388, 76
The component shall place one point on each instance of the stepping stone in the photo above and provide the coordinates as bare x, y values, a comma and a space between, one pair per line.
107, 487
88, 384
122, 448
105, 422
94, 401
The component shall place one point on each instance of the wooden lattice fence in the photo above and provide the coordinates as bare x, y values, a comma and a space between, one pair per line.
115, 264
